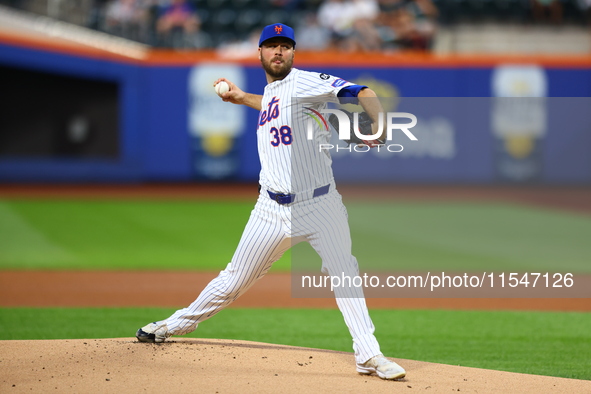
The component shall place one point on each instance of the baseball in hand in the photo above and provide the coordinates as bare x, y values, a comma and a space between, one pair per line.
221, 88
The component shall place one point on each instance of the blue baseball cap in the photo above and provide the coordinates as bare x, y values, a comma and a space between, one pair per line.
277, 30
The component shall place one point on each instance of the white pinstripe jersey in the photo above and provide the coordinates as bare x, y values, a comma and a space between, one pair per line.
290, 163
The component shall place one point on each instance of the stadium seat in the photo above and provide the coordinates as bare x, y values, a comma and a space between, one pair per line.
275, 16
248, 20
242, 4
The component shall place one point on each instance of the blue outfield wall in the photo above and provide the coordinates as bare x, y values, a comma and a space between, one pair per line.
454, 105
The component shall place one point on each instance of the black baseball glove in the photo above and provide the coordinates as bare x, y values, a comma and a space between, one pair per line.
365, 123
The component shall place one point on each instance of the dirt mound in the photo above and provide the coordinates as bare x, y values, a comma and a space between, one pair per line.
227, 366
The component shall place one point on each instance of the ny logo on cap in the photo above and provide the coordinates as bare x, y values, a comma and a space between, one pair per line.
278, 29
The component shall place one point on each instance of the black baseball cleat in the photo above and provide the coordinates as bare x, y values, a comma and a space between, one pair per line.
143, 336
152, 333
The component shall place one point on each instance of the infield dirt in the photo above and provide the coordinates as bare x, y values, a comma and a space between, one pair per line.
227, 366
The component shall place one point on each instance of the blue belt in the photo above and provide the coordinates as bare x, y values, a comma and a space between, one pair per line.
282, 198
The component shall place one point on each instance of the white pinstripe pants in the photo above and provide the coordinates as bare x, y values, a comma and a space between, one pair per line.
271, 230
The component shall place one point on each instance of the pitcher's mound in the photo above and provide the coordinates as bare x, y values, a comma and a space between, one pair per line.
230, 366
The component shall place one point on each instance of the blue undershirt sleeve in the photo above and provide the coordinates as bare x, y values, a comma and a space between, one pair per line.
348, 94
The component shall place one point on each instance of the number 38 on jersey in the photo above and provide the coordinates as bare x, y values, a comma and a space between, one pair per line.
281, 136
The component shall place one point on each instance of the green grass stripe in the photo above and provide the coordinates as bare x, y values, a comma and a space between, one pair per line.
123, 234
545, 343
470, 236
23, 244
202, 235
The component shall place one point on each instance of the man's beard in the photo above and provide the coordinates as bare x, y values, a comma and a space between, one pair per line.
277, 73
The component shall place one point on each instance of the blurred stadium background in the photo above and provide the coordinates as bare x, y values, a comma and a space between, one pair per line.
106, 91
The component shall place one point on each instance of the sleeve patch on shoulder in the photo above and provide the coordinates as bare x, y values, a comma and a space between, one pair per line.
338, 83
324, 76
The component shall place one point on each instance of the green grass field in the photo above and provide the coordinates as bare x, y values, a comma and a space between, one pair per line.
131, 235
119, 234
203, 235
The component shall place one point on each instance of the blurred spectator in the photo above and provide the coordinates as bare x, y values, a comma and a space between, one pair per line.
337, 16
364, 24
126, 18
351, 23
178, 25
407, 24
312, 36
96, 14
241, 49
543, 10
